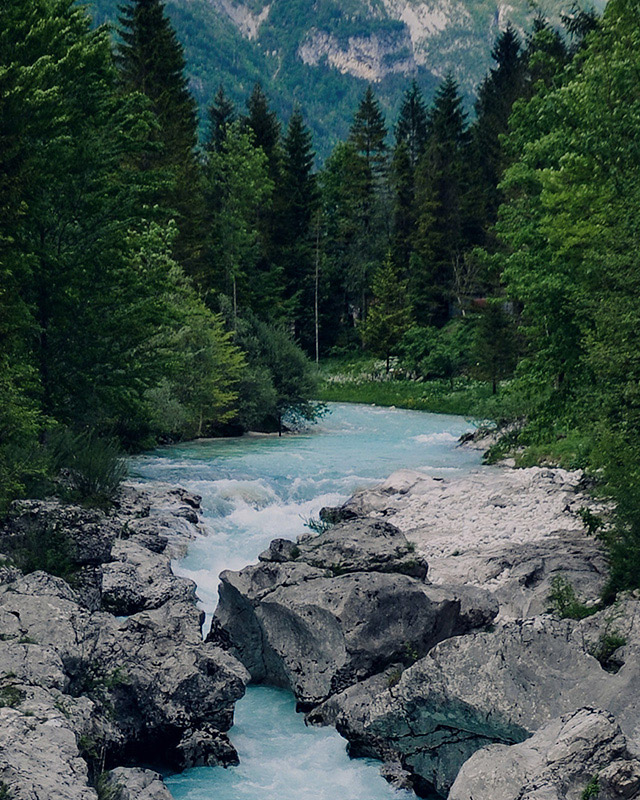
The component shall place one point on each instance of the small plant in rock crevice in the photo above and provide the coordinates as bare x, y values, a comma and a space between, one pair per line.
393, 678
564, 602
410, 653
5, 792
316, 524
605, 647
592, 789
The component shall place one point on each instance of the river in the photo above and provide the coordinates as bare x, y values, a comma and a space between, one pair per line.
254, 489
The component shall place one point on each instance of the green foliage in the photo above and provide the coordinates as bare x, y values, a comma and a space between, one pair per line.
280, 381
49, 550
565, 603
605, 647
389, 314
93, 467
592, 789
317, 525
5, 792
10, 696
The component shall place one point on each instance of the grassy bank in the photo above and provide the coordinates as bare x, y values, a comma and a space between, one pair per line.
361, 379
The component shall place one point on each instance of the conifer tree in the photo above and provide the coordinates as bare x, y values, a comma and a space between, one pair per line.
390, 312
441, 189
298, 210
266, 129
412, 123
497, 94
222, 113
368, 134
151, 61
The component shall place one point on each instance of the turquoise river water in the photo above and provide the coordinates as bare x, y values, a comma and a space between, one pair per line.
254, 489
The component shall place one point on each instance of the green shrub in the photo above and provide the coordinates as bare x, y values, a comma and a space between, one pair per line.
49, 550
605, 647
565, 603
94, 466
316, 524
5, 792
592, 789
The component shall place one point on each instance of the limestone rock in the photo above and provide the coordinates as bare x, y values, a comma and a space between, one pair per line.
140, 578
560, 760
482, 688
298, 625
133, 783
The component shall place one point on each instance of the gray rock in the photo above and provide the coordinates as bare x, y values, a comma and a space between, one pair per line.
520, 575
140, 579
369, 545
560, 760
89, 532
293, 626
482, 688
133, 783
39, 758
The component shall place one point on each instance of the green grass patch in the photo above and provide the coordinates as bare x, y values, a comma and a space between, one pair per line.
363, 380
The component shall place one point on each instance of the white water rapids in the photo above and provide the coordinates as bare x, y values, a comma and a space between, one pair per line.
254, 489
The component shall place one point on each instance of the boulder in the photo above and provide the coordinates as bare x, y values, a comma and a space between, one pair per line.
134, 783
580, 749
299, 624
140, 578
482, 688
368, 545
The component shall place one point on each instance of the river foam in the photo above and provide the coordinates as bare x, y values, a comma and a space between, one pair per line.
257, 488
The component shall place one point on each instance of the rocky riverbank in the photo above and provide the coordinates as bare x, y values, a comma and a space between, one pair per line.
106, 670
419, 624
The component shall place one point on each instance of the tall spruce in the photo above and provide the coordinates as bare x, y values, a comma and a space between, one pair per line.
441, 195
368, 138
497, 94
151, 61
221, 113
296, 226
412, 124
266, 129
368, 134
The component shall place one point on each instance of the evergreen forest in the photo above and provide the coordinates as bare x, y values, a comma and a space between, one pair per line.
160, 284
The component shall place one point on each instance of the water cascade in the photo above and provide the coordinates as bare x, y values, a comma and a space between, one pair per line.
254, 489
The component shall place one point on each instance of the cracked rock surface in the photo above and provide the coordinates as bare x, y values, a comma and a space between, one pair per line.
82, 689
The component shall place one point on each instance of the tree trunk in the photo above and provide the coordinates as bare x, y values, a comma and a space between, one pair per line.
494, 386
279, 424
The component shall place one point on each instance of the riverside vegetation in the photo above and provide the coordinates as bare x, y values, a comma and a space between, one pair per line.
154, 289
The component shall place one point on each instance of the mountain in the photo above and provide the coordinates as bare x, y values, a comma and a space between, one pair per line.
321, 54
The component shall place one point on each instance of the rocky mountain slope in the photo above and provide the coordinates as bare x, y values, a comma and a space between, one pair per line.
323, 54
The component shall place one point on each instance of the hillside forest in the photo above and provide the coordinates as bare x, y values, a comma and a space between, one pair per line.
155, 286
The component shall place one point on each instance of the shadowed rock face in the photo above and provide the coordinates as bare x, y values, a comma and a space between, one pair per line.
295, 621
83, 688
560, 760
486, 687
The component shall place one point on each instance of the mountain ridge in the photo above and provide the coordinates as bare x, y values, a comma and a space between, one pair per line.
322, 55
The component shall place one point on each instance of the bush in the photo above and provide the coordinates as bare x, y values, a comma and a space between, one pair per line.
94, 467
565, 603
49, 550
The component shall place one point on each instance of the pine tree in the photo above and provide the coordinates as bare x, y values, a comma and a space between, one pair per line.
222, 113
441, 189
404, 213
266, 129
497, 94
368, 134
298, 211
151, 61
237, 184
412, 123
390, 313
